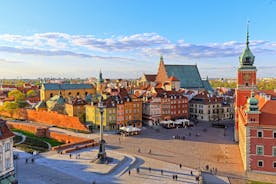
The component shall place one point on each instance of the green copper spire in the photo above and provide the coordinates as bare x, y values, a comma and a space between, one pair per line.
247, 35
161, 59
100, 79
247, 58
252, 102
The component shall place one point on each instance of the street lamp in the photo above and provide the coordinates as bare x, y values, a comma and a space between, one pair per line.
102, 158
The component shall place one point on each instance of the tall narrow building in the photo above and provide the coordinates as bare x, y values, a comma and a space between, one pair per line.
246, 80
255, 122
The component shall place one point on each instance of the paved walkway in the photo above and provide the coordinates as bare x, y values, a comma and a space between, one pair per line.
31, 173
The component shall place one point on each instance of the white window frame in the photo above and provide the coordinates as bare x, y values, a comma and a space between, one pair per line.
258, 163
274, 164
257, 149
274, 132
261, 132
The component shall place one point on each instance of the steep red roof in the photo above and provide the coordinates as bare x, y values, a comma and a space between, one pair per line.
5, 132
268, 113
150, 77
173, 78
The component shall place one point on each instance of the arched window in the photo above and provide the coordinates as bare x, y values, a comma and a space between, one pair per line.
51, 95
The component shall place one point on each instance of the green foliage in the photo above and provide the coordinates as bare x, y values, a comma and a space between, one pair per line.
20, 83
82, 117
17, 95
262, 84
52, 142
267, 84
10, 106
31, 93
219, 83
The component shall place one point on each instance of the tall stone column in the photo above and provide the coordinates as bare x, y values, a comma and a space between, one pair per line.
102, 158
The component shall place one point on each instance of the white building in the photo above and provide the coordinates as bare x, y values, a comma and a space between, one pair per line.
6, 154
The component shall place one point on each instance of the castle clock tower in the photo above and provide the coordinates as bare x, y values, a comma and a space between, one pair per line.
246, 80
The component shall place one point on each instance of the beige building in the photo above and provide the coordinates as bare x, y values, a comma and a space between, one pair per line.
210, 108
49, 90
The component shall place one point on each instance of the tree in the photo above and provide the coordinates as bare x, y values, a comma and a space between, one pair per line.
19, 98
31, 93
10, 107
17, 95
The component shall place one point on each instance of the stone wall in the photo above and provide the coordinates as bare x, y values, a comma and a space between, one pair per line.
43, 131
47, 118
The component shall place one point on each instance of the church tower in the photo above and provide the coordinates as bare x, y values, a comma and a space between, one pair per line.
100, 83
246, 80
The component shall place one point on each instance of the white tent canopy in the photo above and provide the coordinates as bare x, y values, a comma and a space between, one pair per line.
130, 129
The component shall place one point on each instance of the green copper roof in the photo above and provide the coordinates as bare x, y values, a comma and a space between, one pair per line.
253, 103
247, 58
52, 86
207, 86
100, 79
187, 74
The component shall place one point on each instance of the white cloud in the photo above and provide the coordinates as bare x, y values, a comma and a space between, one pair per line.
146, 44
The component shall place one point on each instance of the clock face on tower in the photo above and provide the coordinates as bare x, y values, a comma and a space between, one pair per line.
246, 77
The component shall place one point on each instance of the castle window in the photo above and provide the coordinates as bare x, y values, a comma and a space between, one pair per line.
274, 151
274, 134
246, 84
274, 164
259, 150
260, 133
260, 163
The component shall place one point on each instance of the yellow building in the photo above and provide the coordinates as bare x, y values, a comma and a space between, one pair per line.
49, 90
109, 115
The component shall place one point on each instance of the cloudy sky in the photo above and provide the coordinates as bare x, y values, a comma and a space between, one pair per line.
125, 38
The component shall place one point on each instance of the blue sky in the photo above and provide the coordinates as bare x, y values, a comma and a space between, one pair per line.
126, 38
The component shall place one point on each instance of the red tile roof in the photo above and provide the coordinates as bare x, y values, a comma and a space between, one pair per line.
173, 78
5, 132
268, 113
150, 77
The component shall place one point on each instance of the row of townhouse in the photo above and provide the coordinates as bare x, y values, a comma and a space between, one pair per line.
120, 109
164, 105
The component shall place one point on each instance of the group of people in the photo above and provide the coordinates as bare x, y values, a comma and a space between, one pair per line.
77, 156
212, 170
31, 159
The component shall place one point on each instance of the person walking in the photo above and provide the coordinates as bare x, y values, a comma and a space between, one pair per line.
150, 151
176, 177
180, 166
149, 169
161, 171
191, 173
129, 172
70, 155
137, 170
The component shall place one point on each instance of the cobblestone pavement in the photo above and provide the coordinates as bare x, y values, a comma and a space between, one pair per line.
211, 148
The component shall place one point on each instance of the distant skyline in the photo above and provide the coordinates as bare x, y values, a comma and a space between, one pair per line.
126, 38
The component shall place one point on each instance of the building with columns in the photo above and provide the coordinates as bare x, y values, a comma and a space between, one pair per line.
255, 119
